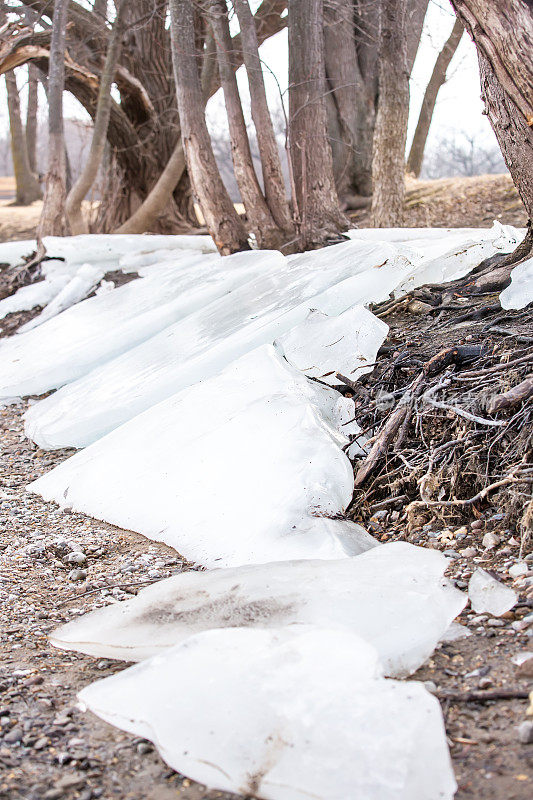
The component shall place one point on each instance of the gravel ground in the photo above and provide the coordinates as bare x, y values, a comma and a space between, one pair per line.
49, 749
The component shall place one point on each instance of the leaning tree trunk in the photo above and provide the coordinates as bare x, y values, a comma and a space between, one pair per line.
222, 220
503, 34
388, 166
316, 201
99, 135
27, 187
260, 219
266, 139
438, 77
52, 221
31, 116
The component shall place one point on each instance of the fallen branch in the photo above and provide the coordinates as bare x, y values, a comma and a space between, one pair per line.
523, 391
471, 500
481, 696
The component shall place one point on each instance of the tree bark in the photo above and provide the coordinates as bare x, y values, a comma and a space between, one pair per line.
316, 202
31, 116
222, 220
266, 139
27, 186
52, 221
99, 136
388, 166
438, 77
260, 220
503, 32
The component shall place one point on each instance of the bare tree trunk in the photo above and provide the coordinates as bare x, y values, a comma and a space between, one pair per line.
503, 32
259, 217
52, 221
99, 136
222, 220
388, 166
438, 77
317, 206
27, 187
31, 116
266, 139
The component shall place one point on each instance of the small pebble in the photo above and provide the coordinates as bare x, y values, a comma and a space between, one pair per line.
525, 733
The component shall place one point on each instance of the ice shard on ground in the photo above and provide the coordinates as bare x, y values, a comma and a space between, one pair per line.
321, 346
489, 595
393, 596
202, 343
283, 715
520, 292
245, 467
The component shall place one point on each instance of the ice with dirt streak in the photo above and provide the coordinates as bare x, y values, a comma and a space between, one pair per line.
199, 470
393, 596
520, 292
90, 333
283, 714
201, 344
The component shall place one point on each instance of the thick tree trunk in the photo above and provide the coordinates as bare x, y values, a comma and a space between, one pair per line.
503, 33
266, 139
260, 219
319, 217
222, 220
438, 77
52, 221
27, 187
388, 167
31, 116
351, 34
99, 136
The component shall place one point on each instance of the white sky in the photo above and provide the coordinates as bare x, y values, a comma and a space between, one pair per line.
459, 107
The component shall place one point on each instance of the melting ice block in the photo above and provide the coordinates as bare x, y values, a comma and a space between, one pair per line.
245, 467
321, 346
489, 595
201, 344
393, 596
520, 292
78, 287
284, 715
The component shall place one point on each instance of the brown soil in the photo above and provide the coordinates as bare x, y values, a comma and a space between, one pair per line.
458, 203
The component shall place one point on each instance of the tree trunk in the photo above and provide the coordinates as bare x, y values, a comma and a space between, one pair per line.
31, 116
52, 221
99, 136
438, 77
351, 35
259, 217
388, 166
27, 187
316, 203
503, 32
222, 220
266, 139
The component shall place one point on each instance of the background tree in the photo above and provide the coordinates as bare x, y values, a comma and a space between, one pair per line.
316, 204
52, 221
438, 77
388, 162
27, 186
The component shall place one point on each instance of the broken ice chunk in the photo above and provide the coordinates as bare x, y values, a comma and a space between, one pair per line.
520, 292
321, 345
283, 715
244, 467
489, 595
393, 596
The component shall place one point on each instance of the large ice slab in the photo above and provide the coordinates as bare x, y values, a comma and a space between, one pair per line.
257, 312
394, 596
519, 293
102, 327
321, 346
246, 467
284, 715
